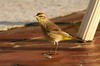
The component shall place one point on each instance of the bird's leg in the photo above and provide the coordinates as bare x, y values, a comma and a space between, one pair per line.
50, 52
56, 48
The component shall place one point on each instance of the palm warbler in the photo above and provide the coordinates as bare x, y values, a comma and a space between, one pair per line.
51, 31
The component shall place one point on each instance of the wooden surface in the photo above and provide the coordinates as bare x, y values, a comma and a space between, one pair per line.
17, 47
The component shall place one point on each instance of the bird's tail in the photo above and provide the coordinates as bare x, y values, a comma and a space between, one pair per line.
68, 38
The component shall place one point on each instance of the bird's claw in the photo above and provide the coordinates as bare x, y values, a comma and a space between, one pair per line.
47, 55
51, 53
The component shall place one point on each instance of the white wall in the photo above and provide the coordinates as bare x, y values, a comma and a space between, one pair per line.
25, 10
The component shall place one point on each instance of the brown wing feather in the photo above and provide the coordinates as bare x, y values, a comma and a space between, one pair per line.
50, 26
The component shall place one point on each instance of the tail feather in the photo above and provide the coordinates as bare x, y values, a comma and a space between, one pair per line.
66, 36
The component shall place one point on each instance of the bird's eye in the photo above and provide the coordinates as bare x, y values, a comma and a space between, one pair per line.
42, 17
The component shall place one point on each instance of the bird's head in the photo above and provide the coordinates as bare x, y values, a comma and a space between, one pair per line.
41, 17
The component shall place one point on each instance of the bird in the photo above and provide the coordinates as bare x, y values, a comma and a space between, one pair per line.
52, 32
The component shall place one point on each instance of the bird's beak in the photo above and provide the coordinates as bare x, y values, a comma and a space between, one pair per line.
36, 16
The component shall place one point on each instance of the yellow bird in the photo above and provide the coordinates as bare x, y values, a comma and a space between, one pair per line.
51, 31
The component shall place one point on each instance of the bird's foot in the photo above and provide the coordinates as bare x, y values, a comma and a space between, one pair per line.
51, 53
48, 55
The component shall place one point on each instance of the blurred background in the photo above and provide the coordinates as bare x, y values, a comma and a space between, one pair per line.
20, 12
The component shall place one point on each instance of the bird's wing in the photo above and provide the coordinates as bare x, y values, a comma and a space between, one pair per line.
64, 33
60, 34
66, 36
50, 26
